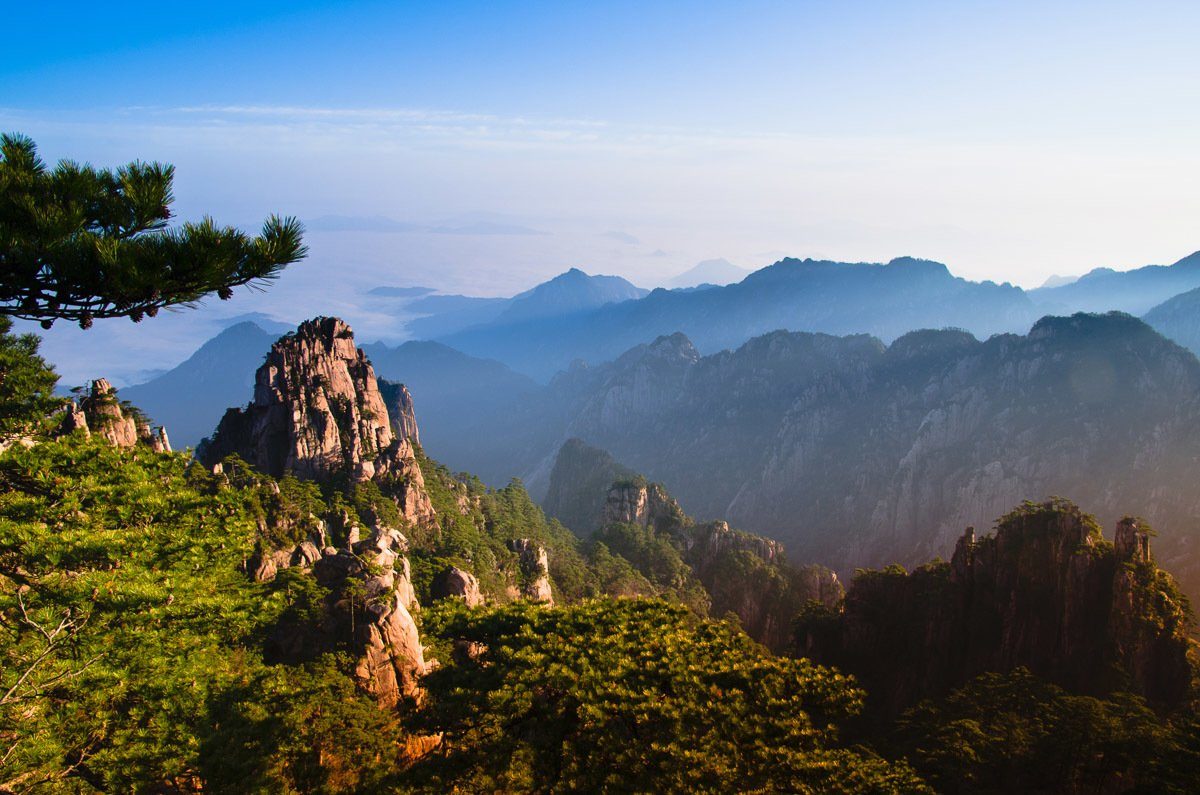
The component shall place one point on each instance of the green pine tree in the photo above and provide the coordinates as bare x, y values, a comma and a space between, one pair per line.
81, 243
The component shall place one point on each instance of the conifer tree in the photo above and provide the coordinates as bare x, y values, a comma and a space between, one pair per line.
81, 243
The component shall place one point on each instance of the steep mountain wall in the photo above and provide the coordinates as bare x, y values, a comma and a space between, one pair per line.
1045, 592
318, 413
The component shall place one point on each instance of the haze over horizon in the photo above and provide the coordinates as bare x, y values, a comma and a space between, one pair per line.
502, 145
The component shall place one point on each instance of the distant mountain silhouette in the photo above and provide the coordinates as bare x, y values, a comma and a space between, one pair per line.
566, 294
710, 271
453, 392
1178, 318
190, 398
1059, 281
1134, 291
837, 298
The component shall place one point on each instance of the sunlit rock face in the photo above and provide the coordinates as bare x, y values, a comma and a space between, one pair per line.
534, 566
101, 413
318, 414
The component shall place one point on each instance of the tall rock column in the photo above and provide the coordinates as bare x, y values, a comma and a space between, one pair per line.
318, 413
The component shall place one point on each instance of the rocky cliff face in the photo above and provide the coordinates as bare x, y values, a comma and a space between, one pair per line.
1046, 592
371, 602
102, 414
318, 413
400, 410
743, 574
454, 583
579, 484
646, 504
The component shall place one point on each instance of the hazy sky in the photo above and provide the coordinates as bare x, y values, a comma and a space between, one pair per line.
1008, 140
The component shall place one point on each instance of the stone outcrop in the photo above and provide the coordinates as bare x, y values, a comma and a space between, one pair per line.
399, 404
368, 611
579, 487
454, 583
637, 502
744, 574
1044, 592
534, 568
101, 413
318, 413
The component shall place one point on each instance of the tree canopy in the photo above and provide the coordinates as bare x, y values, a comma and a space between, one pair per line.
26, 382
81, 243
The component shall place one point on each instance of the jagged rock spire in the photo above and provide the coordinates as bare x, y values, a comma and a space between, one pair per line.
101, 413
318, 413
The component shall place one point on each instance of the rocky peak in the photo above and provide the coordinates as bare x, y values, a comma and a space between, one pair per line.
399, 404
318, 413
647, 504
101, 413
1132, 542
317, 410
535, 569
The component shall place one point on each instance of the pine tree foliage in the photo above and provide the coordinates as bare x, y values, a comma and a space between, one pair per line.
632, 695
26, 383
81, 243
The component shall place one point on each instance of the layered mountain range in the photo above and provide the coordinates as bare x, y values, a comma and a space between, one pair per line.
856, 453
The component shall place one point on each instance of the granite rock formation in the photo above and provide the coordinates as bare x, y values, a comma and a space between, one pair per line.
1046, 592
370, 602
101, 413
534, 567
743, 574
399, 404
453, 582
318, 413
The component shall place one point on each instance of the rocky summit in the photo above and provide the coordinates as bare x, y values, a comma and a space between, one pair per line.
318, 413
122, 425
1046, 592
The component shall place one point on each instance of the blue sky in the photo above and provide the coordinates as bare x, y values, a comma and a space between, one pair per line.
1009, 140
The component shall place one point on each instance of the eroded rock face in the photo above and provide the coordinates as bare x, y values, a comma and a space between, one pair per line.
101, 413
317, 410
749, 576
744, 574
453, 582
399, 404
370, 605
647, 504
1043, 593
105, 417
318, 413
535, 570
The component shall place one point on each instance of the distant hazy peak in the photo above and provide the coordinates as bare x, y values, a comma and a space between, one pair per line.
710, 271
1058, 281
